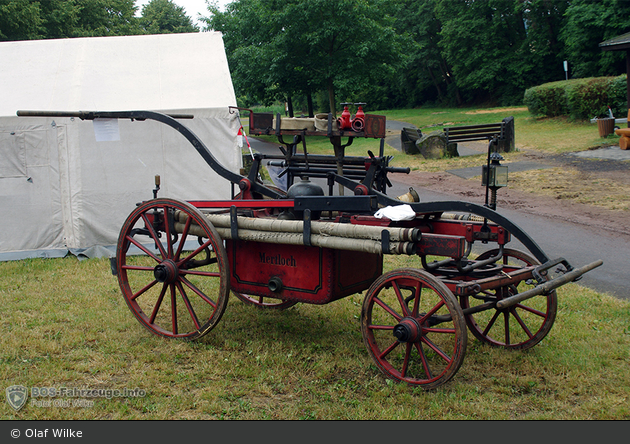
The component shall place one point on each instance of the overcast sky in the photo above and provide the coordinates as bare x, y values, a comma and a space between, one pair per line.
192, 7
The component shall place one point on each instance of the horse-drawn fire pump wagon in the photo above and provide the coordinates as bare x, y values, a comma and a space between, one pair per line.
177, 261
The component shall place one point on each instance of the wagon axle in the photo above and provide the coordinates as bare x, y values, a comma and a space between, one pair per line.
408, 330
166, 272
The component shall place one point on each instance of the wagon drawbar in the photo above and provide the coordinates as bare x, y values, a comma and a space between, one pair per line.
177, 262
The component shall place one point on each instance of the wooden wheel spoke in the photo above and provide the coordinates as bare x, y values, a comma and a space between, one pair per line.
506, 327
156, 308
138, 268
183, 237
416, 301
405, 366
431, 312
154, 235
173, 309
198, 292
521, 322
491, 323
401, 300
201, 273
143, 248
143, 290
189, 306
380, 327
167, 231
194, 253
531, 310
388, 350
388, 309
436, 349
423, 359
450, 331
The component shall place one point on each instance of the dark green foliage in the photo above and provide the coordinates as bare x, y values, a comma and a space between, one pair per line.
388, 53
58, 19
586, 24
278, 50
578, 98
548, 99
165, 17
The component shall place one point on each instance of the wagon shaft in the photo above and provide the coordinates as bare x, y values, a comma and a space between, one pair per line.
549, 285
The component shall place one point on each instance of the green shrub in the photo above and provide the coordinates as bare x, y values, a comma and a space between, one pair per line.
578, 98
548, 99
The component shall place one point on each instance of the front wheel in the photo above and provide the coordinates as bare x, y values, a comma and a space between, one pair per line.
172, 269
414, 328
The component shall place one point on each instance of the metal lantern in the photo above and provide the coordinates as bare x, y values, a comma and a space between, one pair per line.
494, 175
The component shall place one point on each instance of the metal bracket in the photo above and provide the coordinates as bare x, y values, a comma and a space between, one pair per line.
385, 241
233, 222
540, 272
307, 227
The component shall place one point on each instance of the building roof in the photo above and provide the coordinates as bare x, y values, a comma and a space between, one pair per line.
619, 43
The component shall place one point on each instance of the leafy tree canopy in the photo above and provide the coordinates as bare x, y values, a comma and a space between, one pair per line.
165, 17
50, 19
283, 47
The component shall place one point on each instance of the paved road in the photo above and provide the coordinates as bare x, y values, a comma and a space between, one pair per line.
578, 244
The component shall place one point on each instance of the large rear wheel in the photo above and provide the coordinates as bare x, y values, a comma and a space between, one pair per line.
172, 269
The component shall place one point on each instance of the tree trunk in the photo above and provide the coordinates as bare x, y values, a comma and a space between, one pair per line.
290, 103
435, 82
309, 102
331, 97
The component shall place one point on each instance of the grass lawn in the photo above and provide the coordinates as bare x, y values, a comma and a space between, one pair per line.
65, 324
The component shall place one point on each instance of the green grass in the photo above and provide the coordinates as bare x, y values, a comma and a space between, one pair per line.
65, 324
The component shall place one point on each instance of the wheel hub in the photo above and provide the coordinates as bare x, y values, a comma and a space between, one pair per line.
166, 272
408, 330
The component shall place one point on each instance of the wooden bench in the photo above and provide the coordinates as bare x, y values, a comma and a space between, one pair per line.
503, 131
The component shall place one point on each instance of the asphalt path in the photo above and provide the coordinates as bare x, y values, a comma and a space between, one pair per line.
579, 244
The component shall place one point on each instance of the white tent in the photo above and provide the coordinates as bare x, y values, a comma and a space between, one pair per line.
62, 190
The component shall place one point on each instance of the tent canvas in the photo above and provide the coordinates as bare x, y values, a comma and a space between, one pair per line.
65, 185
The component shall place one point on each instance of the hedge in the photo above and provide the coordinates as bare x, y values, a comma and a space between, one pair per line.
579, 99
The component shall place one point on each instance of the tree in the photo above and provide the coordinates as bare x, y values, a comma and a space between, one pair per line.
28, 19
427, 75
305, 45
164, 17
20, 20
498, 48
586, 25
93, 18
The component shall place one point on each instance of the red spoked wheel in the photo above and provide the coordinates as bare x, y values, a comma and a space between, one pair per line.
414, 328
172, 269
264, 301
520, 326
